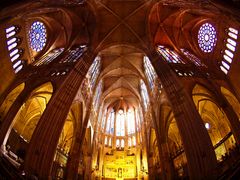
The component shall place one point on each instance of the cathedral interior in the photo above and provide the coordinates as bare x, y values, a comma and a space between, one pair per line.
119, 89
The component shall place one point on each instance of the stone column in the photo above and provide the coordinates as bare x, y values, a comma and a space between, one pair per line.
167, 167
88, 170
233, 121
74, 157
44, 141
94, 149
162, 149
145, 144
196, 141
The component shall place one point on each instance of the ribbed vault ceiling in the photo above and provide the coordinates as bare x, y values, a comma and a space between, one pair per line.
126, 29
122, 70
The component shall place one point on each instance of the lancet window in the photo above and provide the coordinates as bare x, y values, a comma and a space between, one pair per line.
228, 54
144, 94
149, 72
169, 55
15, 52
97, 95
93, 72
49, 57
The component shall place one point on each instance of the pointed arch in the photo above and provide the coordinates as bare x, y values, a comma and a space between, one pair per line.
174, 140
215, 120
232, 100
30, 112
9, 100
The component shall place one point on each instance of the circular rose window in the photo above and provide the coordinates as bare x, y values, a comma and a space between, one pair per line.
207, 37
37, 36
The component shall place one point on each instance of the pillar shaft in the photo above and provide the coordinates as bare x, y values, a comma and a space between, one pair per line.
74, 157
234, 122
197, 144
44, 141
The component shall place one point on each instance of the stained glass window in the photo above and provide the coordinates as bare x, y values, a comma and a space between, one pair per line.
149, 72
117, 143
74, 54
93, 72
229, 51
110, 123
106, 140
138, 123
11, 31
140, 113
120, 124
192, 57
129, 142
110, 142
120, 128
169, 55
134, 141
97, 95
207, 37
100, 115
130, 122
49, 57
12, 44
122, 143
37, 36
104, 119
144, 94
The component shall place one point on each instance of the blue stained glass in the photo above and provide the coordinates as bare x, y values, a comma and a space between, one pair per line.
37, 36
150, 72
169, 55
144, 94
207, 37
